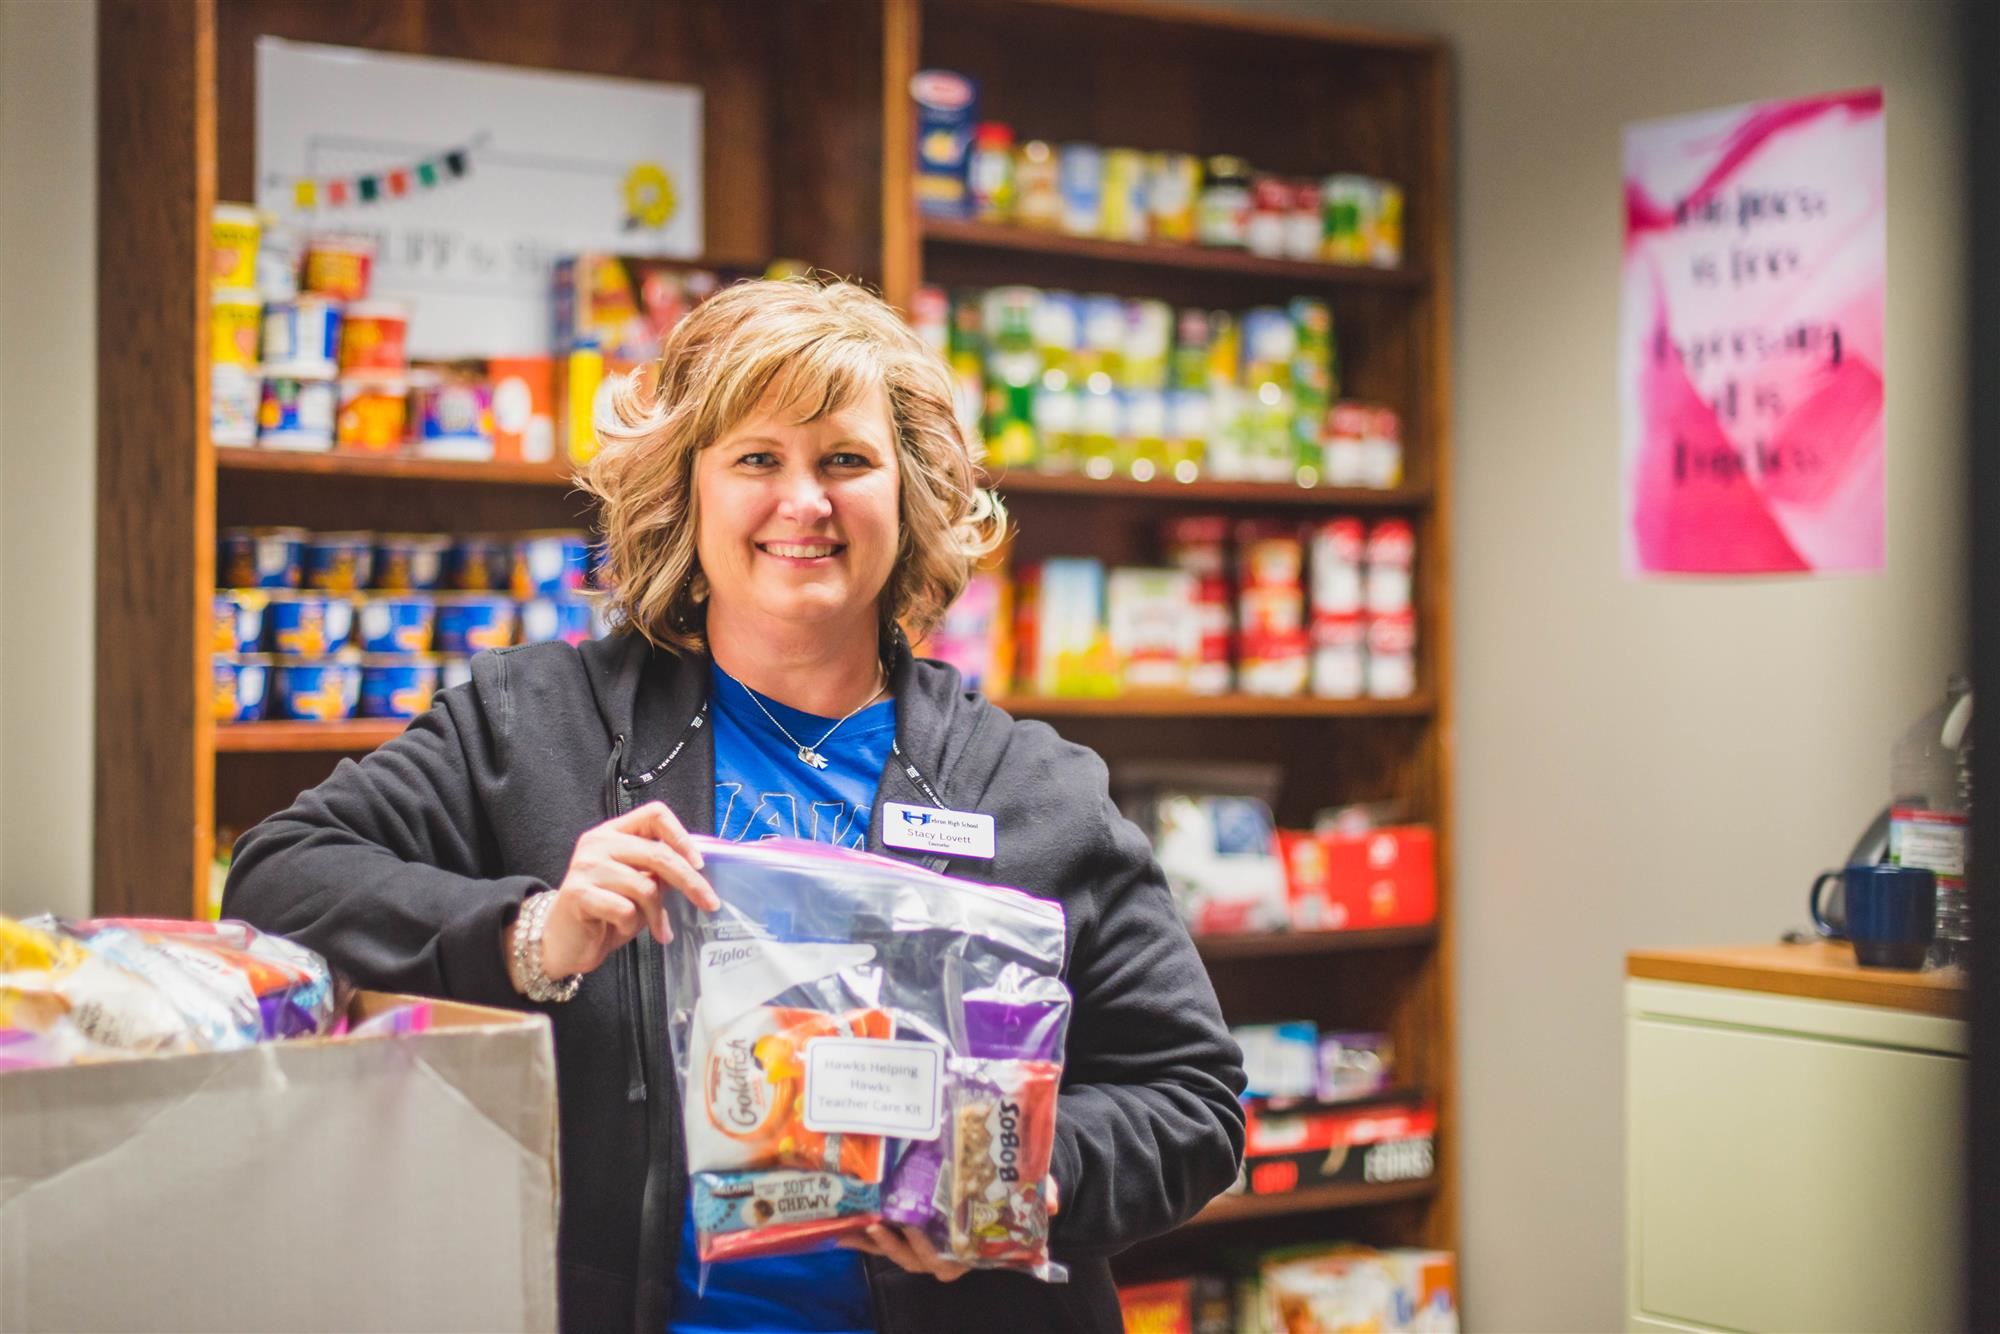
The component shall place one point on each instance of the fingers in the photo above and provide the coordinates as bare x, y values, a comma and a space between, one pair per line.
934, 1264
635, 886
907, 1248
656, 820
664, 863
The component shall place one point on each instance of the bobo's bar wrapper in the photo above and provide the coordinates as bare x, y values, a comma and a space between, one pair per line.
822, 1021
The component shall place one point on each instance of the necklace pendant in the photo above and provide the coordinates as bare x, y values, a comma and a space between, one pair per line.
807, 755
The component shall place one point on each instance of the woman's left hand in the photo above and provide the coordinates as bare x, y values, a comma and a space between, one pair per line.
911, 1250
908, 1248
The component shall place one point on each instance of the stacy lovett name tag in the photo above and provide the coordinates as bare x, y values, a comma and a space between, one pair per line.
928, 829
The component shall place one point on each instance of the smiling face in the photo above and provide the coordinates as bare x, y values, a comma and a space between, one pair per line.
797, 522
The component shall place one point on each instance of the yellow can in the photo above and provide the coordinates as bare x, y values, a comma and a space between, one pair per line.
233, 235
235, 326
585, 367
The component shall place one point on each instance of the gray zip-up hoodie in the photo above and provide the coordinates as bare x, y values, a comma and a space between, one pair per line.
404, 869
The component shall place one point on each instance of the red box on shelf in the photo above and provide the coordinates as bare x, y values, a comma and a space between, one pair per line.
1291, 1150
1198, 1304
1353, 882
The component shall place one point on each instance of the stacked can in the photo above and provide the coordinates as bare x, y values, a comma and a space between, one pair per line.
1199, 545
305, 348
1392, 621
1362, 445
1362, 221
234, 311
1339, 632
284, 616
1270, 598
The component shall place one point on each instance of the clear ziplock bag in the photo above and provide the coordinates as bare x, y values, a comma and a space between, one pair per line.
858, 1038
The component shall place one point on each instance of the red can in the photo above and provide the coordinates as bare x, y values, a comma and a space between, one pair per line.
1271, 202
1392, 551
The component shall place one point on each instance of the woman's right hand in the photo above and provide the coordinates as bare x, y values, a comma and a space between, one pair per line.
615, 887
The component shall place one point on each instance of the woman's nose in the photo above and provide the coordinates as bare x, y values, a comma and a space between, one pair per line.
804, 499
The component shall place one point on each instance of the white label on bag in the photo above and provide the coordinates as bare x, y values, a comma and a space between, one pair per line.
930, 829
861, 1086
739, 974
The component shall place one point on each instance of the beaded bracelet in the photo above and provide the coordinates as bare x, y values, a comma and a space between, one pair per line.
528, 977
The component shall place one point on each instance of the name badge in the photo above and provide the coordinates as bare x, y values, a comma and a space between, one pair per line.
928, 829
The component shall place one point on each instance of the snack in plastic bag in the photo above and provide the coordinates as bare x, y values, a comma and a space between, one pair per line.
60, 1004
790, 1121
748, 1213
1003, 1116
752, 1112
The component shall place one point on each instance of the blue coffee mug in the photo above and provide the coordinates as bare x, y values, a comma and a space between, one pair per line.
1890, 913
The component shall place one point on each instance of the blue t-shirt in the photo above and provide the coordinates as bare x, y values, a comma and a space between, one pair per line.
763, 790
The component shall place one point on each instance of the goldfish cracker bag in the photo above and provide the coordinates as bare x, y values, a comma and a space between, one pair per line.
859, 1038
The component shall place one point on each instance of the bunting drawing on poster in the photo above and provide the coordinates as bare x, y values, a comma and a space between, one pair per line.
472, 179
1750, 359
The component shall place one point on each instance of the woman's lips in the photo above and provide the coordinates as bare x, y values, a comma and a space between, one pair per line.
802, 553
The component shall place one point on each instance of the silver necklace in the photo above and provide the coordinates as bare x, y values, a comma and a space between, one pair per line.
810, 754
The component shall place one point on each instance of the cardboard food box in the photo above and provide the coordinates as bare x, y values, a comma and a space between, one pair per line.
1290, 1150
1197, 1304
377, 1183
1349, 882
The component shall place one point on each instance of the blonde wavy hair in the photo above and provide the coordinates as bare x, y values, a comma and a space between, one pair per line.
813, 345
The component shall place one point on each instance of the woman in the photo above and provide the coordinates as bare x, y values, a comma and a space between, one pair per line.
791, 489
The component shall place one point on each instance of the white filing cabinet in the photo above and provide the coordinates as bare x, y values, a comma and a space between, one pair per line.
1792, 1163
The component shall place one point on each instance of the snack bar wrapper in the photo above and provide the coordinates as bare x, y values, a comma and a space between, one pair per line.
840, 1027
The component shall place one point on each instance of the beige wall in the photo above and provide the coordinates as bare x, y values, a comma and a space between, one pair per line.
1664, 762
48, 444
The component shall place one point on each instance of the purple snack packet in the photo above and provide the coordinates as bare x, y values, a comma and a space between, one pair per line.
996, 1028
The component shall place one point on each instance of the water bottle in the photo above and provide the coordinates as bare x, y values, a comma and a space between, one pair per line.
1930, 781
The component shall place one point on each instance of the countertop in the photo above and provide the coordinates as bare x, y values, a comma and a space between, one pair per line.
1817, 970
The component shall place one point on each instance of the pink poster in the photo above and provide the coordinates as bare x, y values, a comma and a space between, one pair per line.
1751, 357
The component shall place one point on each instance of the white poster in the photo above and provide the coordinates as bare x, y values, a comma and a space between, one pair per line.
472, 178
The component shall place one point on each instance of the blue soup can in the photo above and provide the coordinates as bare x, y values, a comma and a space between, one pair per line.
397, 685
567, 617
469, 622
260, 558
310, 625
238, 626
242, 687
410, 562
340, 562
398, 624
323, 690
546, 564
480, 563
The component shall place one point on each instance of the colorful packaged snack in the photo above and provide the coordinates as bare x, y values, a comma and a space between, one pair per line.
740, 1214
751, 1114
1002, 1127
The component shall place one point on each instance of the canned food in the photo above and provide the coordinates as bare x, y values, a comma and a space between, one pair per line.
241, 691
1339, 657
1386, 243
260, 557
301, 336
991, 173
1347, 208
233, 397
397, 685
235, 322
310, 625
322, 691
1222, 211
1392, 550
480, 563
1270, 216
469, 622
1081, 168
1038, 200
1392, 655
410, 562
1304, 225
397, 624
1124, 196
339, 266
374, 415
549, 563
238, 626
372, 337
296, 414
1336, 568
1173, 184
339, 562
456, 409
567, 617
233, 230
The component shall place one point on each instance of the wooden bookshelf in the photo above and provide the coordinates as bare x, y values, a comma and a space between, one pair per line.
820, 169
393, 465
1308, 944
941, 232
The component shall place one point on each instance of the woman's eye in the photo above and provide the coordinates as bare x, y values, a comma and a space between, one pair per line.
846, 459
757, 458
